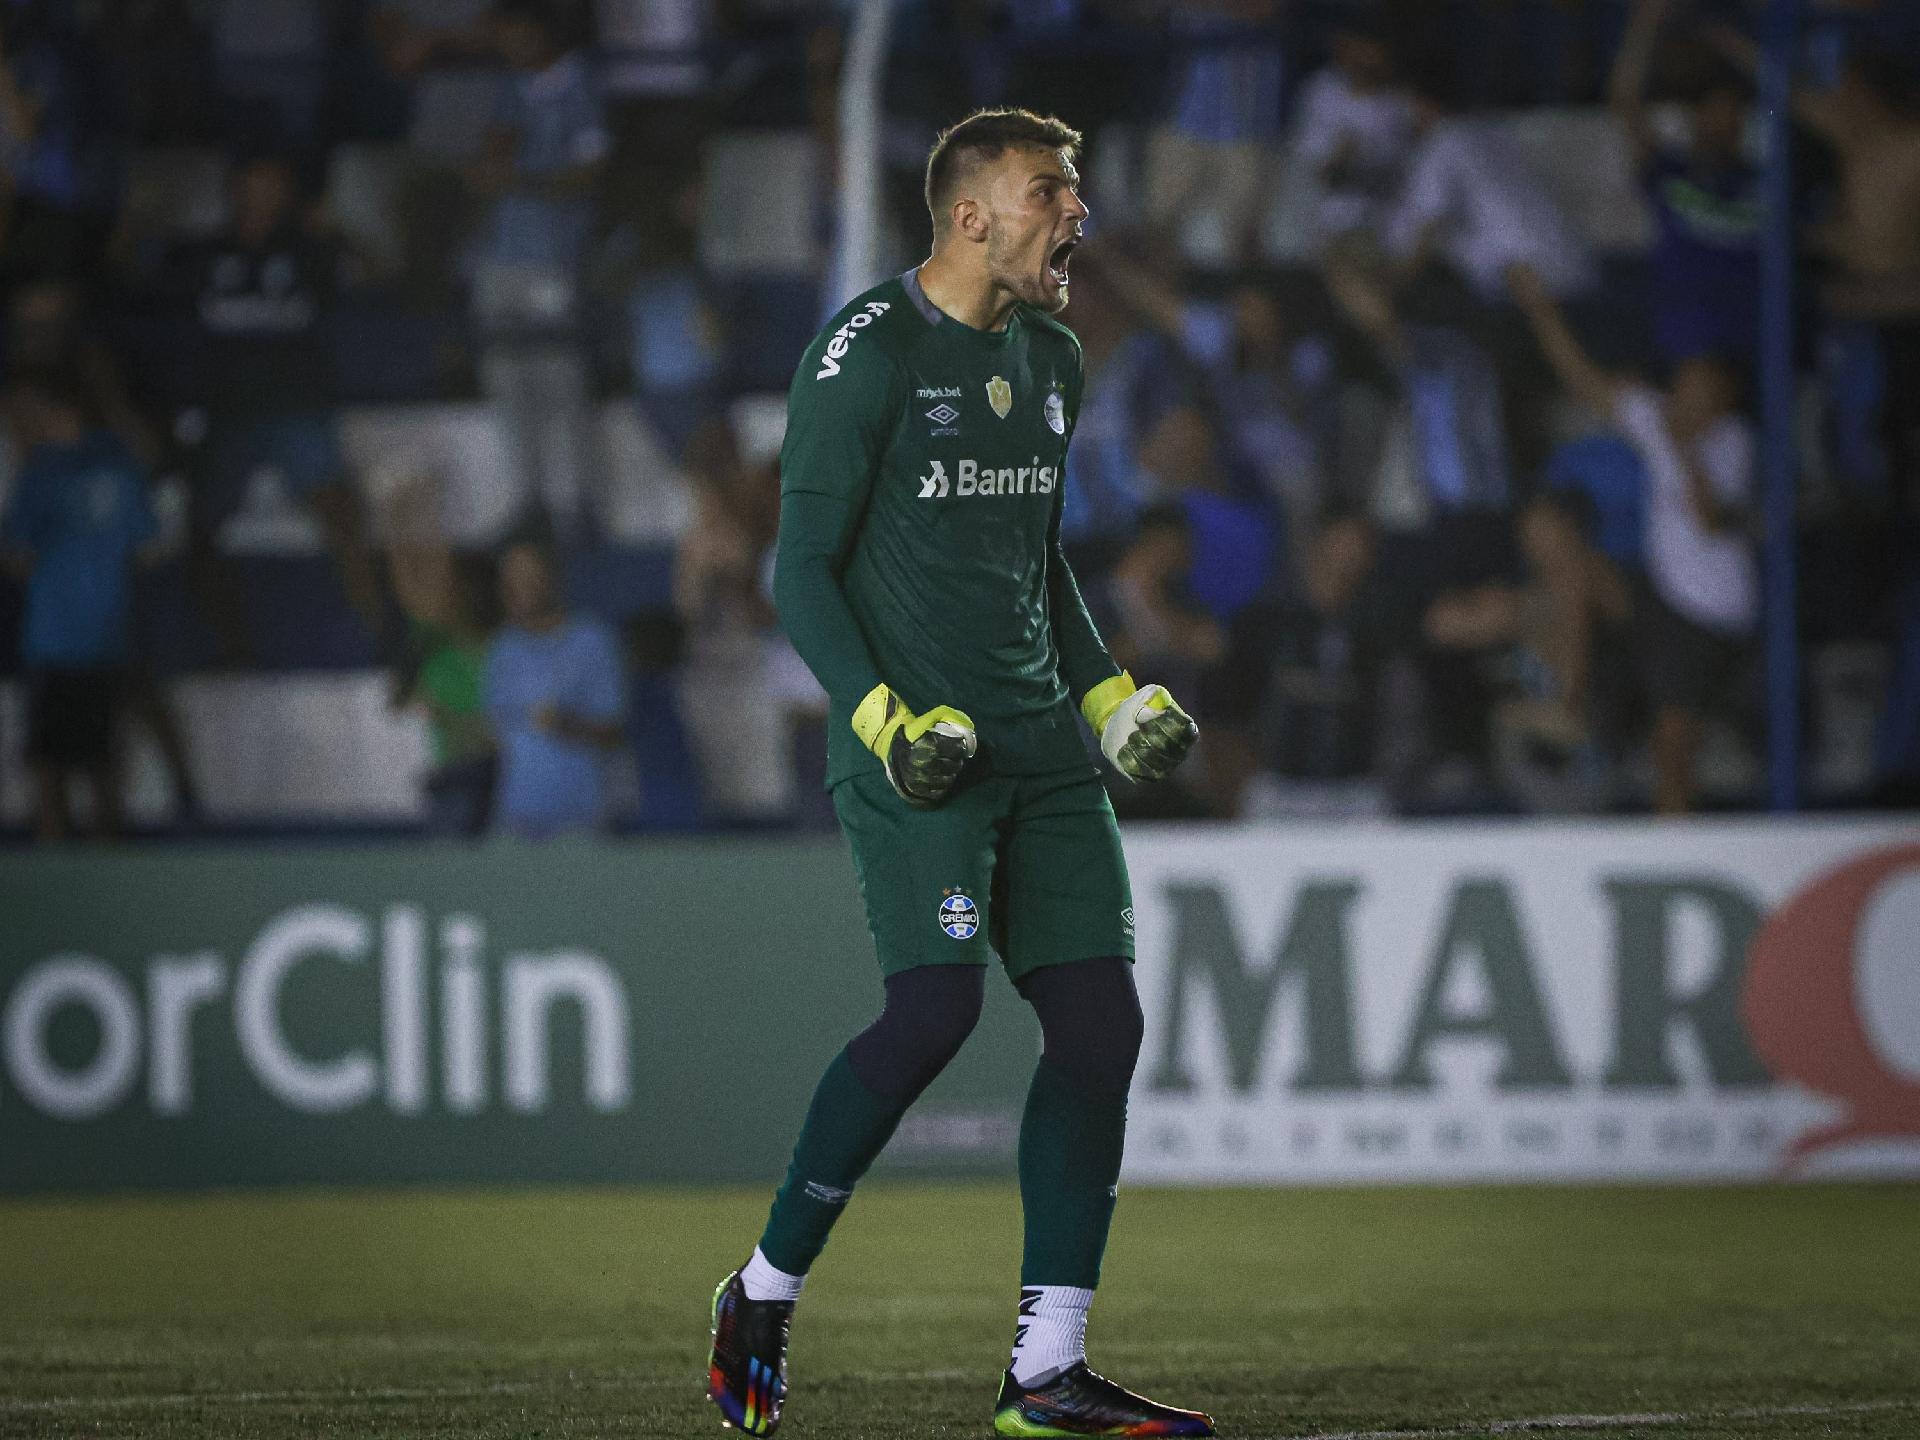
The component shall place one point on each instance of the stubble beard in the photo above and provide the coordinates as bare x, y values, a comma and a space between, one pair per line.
1038, 291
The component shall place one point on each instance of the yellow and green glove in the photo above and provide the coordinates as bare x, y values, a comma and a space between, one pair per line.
923, 754
1142, 732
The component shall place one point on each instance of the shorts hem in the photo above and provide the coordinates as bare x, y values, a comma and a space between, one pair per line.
1069, 957
891, 965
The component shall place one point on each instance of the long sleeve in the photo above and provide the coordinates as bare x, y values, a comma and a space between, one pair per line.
815, 531
1084, 661
837, 427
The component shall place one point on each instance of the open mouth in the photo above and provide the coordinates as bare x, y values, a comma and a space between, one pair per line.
1057, 262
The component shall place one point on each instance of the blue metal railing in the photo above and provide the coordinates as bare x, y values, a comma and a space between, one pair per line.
1780, 43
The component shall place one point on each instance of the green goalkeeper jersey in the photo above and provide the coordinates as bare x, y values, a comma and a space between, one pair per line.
920, 491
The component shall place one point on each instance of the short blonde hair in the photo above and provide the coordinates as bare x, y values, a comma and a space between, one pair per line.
985, 136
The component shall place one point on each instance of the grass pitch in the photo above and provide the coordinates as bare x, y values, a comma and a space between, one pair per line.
1703, 1313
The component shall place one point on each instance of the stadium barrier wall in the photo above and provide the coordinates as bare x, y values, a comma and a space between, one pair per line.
1732, 1001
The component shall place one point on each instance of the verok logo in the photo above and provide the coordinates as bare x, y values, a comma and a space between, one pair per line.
973, 478
395, 960
1804, 999
837, 346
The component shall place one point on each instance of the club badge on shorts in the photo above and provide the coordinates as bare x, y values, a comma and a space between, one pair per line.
959, 916
1000, 396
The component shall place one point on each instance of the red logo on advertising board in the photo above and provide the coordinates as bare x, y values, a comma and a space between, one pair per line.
1801, 1005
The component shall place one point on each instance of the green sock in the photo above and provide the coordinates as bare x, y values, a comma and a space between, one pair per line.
1070, 1142
847, 1126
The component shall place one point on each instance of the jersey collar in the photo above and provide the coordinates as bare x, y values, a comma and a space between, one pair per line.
934, 315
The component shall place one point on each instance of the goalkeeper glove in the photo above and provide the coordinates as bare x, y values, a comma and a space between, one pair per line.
1142, 732
923, 754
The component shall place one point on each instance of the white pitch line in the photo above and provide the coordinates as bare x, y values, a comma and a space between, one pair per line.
1564, 1424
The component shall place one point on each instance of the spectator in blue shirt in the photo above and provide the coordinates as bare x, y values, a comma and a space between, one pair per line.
540, 175
1706, 202
546, 148
77, 520
45, 229
1217, 151
554, 695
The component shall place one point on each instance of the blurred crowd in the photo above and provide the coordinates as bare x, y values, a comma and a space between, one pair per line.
1431, 504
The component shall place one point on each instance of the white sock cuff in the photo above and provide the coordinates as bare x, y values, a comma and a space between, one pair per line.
763, 1281
1052, 1332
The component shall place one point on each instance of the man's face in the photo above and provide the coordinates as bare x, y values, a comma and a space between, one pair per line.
526, 586
1340, 557
1034, 215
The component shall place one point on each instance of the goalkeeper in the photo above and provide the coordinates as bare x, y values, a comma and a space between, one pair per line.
920, 575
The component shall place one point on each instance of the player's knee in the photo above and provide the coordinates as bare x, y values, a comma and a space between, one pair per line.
1090, 1015
1126, 1034
1109, 1046
929, 1014
938, 1024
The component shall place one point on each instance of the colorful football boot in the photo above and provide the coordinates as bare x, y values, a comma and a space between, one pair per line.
1079, 1402
747, 1375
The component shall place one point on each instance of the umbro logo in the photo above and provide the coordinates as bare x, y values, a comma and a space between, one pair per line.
943, 414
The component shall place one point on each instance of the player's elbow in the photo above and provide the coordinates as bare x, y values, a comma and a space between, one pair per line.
797, 578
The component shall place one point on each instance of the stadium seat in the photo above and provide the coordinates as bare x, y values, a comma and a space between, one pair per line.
451, 111
454, 460
295, 614
366, 191
759, 425
644, 496
777, 233
177, 190
387, 350
271, 66
1581, 157
460, 448
618, 583
768, 321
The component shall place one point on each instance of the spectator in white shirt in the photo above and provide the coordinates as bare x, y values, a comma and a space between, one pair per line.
1354, 130
1703, 594
1470, 199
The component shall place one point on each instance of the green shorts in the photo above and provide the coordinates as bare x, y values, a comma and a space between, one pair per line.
1025, 866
